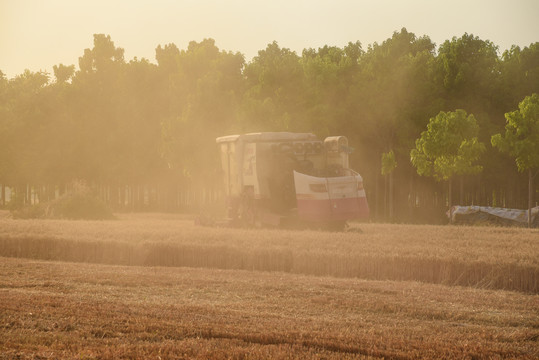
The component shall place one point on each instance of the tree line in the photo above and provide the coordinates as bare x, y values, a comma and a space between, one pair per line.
142, 135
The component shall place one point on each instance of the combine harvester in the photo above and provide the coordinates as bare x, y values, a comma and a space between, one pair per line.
284, 179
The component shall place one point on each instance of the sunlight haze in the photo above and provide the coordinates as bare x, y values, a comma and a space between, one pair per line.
36, 35
245, 179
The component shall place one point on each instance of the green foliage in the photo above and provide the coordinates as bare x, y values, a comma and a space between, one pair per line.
519, 70
466, 74
102, 57
388, 162
329, 76
521, 138
205, 92
274, 94
63, 73
392, 96
466, 62
115, 122
449, 146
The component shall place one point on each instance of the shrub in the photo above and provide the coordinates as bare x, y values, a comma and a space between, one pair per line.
78, 203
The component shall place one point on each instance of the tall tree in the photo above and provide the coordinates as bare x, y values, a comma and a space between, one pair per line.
167, 58
29, 113
97, 89
467, 75
388, 165
449, 146
139, 123
521, 140
274, 91
393, 98
394, 88
63, 73
467, 69
4, 170
329, 75
206, 89
519, 74
58, 136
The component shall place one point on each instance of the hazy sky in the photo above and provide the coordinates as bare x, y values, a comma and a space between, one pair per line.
37, 34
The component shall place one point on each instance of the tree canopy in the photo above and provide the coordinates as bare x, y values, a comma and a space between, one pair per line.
448, 147
148, 129
521, 140
521, 137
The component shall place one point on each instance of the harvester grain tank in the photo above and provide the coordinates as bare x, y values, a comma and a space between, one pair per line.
283, 178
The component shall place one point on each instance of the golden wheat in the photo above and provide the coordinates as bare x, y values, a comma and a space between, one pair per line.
73, 310
498, 258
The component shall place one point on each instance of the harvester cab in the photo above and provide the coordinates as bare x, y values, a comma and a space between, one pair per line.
282, 178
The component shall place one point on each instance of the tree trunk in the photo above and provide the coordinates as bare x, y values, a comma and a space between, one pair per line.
377, 198
530, 197
113, 189
450, 204
391, 196
461, 195
413, 197
385, 198
122, 197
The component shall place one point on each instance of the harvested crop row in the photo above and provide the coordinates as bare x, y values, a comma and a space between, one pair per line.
482, 257
53, 309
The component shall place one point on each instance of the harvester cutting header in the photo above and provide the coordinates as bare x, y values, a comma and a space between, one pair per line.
286, 179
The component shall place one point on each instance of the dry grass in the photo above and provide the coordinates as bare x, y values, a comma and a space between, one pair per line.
68, 310
497, 258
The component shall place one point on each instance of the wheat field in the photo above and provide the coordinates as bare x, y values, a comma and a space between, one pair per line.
154, 286
55, 310
484, 257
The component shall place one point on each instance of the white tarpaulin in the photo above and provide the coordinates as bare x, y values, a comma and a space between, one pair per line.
477, 214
